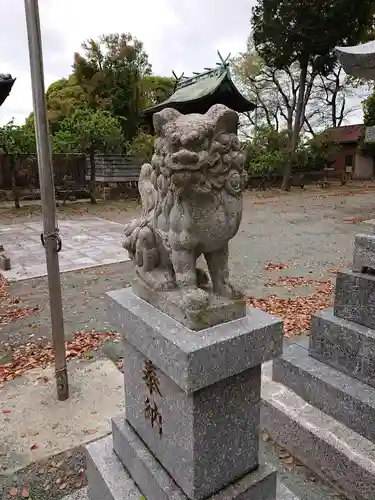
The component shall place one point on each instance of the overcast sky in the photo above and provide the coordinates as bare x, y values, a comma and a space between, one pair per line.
179, 35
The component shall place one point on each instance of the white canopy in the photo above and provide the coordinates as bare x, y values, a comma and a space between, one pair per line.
359, 60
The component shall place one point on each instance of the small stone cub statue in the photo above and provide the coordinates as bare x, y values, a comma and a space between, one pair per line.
191, 204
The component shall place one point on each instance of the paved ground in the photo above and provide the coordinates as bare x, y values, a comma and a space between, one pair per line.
85, 243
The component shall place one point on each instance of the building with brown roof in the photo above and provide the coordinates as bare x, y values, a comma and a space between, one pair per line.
350, 158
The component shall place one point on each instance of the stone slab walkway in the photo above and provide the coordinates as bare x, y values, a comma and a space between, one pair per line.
87, 242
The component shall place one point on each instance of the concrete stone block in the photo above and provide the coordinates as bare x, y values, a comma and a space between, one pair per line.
205, 439
364, 253
154, 481
194, 360
5, 262
106, 476
349, 401
283, 493
344, 345
332, 450
355, 298
109, 477
81, 494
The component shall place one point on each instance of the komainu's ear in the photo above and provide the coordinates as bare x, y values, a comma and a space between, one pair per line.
225, 119
163, 117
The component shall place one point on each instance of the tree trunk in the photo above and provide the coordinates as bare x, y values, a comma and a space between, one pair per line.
297, 127
16, 196
92, 177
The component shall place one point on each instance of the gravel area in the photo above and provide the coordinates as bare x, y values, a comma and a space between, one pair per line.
311, 232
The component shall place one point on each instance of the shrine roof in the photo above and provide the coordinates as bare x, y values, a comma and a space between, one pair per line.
358, 60
198, 93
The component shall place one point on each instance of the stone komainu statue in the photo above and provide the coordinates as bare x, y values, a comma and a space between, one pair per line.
191, 204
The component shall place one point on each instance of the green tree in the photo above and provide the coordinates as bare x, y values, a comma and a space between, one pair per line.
89, 132
63, 98
267, 151
110, 71
16, 142
142, 146
156, 89
305, 32
369, 110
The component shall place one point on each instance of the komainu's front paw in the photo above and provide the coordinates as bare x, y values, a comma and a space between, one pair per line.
229, 291
194, 298
158, 279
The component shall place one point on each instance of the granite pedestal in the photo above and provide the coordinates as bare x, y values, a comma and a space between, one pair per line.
320, 403
364, 253
192, 419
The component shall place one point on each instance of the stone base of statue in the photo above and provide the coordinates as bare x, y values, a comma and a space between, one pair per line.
215, 311
192, 419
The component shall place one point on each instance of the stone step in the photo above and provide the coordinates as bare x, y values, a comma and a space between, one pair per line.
344, 398
364, 253
344, 345
343, 457
355, 298
81, 494
155, 482
109, 480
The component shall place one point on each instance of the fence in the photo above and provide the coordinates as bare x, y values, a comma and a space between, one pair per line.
27, 176
108, 169
115, 168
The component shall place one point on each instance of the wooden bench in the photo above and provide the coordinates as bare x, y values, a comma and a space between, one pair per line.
316, 176
70, 191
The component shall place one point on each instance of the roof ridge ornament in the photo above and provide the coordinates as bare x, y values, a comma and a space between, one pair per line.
184, 81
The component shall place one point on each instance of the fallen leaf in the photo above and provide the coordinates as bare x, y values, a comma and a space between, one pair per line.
25, 493
270, 266
35, 354
296, 312
357, 220
9, 310
6, 412
90, 431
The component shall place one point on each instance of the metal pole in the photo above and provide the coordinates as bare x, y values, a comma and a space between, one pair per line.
50, 237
